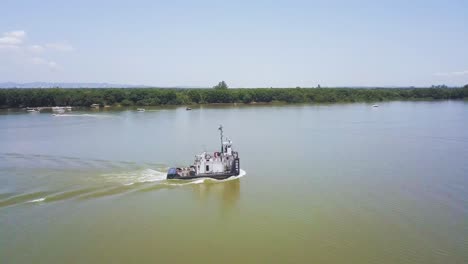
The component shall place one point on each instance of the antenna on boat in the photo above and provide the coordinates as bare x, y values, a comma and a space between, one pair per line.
220, 128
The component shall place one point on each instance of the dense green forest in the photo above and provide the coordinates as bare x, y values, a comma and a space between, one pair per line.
10, 98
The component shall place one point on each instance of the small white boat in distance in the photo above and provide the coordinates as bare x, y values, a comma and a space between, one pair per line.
141, 110
32, 110
69, 108
376, 105
57, 108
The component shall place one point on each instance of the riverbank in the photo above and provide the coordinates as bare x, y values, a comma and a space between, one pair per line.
18, 98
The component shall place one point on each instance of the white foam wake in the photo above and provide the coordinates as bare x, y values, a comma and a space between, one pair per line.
37, 200
150, 175
138, 176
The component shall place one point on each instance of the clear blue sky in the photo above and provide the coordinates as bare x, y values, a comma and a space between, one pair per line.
245, 43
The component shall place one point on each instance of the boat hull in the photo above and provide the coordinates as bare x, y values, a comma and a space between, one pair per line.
198, 176
235, 171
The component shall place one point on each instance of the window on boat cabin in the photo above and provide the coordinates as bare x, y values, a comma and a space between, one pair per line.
207, 167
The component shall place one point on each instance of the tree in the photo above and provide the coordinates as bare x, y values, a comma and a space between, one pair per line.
12, 98
221, 85
126, 102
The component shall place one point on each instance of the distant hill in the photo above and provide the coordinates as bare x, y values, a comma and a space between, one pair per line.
67, 85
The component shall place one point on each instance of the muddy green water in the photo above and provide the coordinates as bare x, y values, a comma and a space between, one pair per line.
344, 183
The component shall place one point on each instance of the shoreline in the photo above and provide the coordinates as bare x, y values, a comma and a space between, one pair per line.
121, 97
222, 105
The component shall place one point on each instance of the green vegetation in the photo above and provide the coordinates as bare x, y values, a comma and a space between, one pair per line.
10, 98
221, 85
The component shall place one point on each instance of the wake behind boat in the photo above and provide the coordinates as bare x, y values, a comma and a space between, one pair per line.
219, 165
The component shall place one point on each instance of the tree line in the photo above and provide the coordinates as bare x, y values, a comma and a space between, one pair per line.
12, 98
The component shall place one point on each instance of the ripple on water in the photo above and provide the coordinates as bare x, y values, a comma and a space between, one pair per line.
22, 198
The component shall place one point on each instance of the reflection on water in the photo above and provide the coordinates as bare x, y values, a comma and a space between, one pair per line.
226, 193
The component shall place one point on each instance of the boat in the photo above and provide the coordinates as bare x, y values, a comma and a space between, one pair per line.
217, 165
188, 108
69, 108
95, 106
140, 109
58, 109
32, 110
376, 105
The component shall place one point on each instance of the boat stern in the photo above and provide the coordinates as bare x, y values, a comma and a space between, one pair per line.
172, 174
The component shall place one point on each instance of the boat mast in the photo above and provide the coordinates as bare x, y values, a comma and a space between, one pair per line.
221, 132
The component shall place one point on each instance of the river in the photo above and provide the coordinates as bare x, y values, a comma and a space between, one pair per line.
338, 183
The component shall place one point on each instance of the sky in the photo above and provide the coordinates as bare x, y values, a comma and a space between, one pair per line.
245, 43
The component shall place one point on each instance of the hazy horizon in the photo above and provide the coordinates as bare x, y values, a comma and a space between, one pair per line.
73, 85
246, 44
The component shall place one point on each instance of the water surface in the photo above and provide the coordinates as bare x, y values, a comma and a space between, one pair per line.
343, 183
